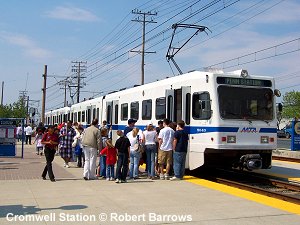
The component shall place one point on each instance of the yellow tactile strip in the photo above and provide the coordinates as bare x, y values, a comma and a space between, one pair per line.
275, 203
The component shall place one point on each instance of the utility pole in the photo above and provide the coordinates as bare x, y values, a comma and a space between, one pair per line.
44, 94
78, 67
2, 93
143, 21
65, 84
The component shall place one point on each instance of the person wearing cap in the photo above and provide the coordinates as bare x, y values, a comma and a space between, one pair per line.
131, 123
50, 140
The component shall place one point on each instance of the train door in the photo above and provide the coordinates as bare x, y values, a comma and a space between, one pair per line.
170, 94
178, 104
109, 112
112, 115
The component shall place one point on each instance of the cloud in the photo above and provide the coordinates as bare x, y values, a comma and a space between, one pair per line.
29, 47
72, 13
285, 12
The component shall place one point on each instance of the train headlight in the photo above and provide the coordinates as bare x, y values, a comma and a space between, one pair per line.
264, 139
231, 139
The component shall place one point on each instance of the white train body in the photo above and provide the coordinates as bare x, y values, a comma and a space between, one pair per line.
230, 118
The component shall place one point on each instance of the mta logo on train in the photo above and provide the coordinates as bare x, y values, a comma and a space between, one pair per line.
249, 130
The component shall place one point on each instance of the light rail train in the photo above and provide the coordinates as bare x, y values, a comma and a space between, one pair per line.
230, 117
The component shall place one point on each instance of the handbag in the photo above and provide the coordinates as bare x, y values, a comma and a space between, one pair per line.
138, 147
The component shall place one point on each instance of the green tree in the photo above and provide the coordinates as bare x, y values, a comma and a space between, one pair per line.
15, 110
291, 104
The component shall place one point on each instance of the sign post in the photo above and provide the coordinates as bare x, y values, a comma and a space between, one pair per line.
295, 138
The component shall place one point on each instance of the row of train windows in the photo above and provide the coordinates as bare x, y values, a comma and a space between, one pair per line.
201, 110
160, 112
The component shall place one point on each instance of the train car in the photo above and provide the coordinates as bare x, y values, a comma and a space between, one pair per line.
57, 116
230, 117
84, 112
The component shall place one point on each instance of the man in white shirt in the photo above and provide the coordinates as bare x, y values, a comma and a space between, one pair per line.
165, 141
19, 132
28, 133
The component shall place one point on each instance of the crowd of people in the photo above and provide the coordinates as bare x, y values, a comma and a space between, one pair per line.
162, 149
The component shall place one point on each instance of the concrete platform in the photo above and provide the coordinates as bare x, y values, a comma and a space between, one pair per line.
192, 201
286, 153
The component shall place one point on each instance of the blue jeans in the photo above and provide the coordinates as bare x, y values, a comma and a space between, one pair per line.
110, 171
179, 163
122, 166
103, 165
150, 152
134, 164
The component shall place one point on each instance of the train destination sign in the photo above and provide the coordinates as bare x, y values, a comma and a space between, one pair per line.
244, 81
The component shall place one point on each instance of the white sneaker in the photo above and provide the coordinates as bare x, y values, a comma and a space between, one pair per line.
67, 165
107, 179
166, 176
174, 178
161, 176
111, 179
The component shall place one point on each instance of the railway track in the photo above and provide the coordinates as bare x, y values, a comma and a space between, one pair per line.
275, 188
286, 159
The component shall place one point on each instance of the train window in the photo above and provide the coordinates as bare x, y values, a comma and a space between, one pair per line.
116, 113
245, 103
201, 106
75, 117
147, 109
124, 111
72, 117
188, 108
83, 116
88, 115
170, 108
94, 113
160, 112
97, 113
134, 110
79, 116
108, 114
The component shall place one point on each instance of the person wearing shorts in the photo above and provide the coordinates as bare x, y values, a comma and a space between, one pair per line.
165, 140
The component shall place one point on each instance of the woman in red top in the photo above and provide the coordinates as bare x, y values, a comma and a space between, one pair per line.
111, 159
50, 140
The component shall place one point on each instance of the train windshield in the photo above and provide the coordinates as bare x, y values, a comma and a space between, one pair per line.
245, 103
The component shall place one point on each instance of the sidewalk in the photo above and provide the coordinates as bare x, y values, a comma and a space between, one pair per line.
72, 200
30, 167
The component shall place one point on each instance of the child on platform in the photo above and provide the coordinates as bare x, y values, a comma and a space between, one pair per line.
38, 141
111, 159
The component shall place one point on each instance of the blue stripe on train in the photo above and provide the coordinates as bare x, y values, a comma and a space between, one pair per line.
202, 129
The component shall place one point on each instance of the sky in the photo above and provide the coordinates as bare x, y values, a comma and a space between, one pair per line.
101, 33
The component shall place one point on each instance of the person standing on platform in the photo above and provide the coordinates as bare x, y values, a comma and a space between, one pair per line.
149, 139
91, 142
67, 134
28, 132
50, 140
180, 145
19, 132
129, 128
165, 140
123, 147
111, 159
